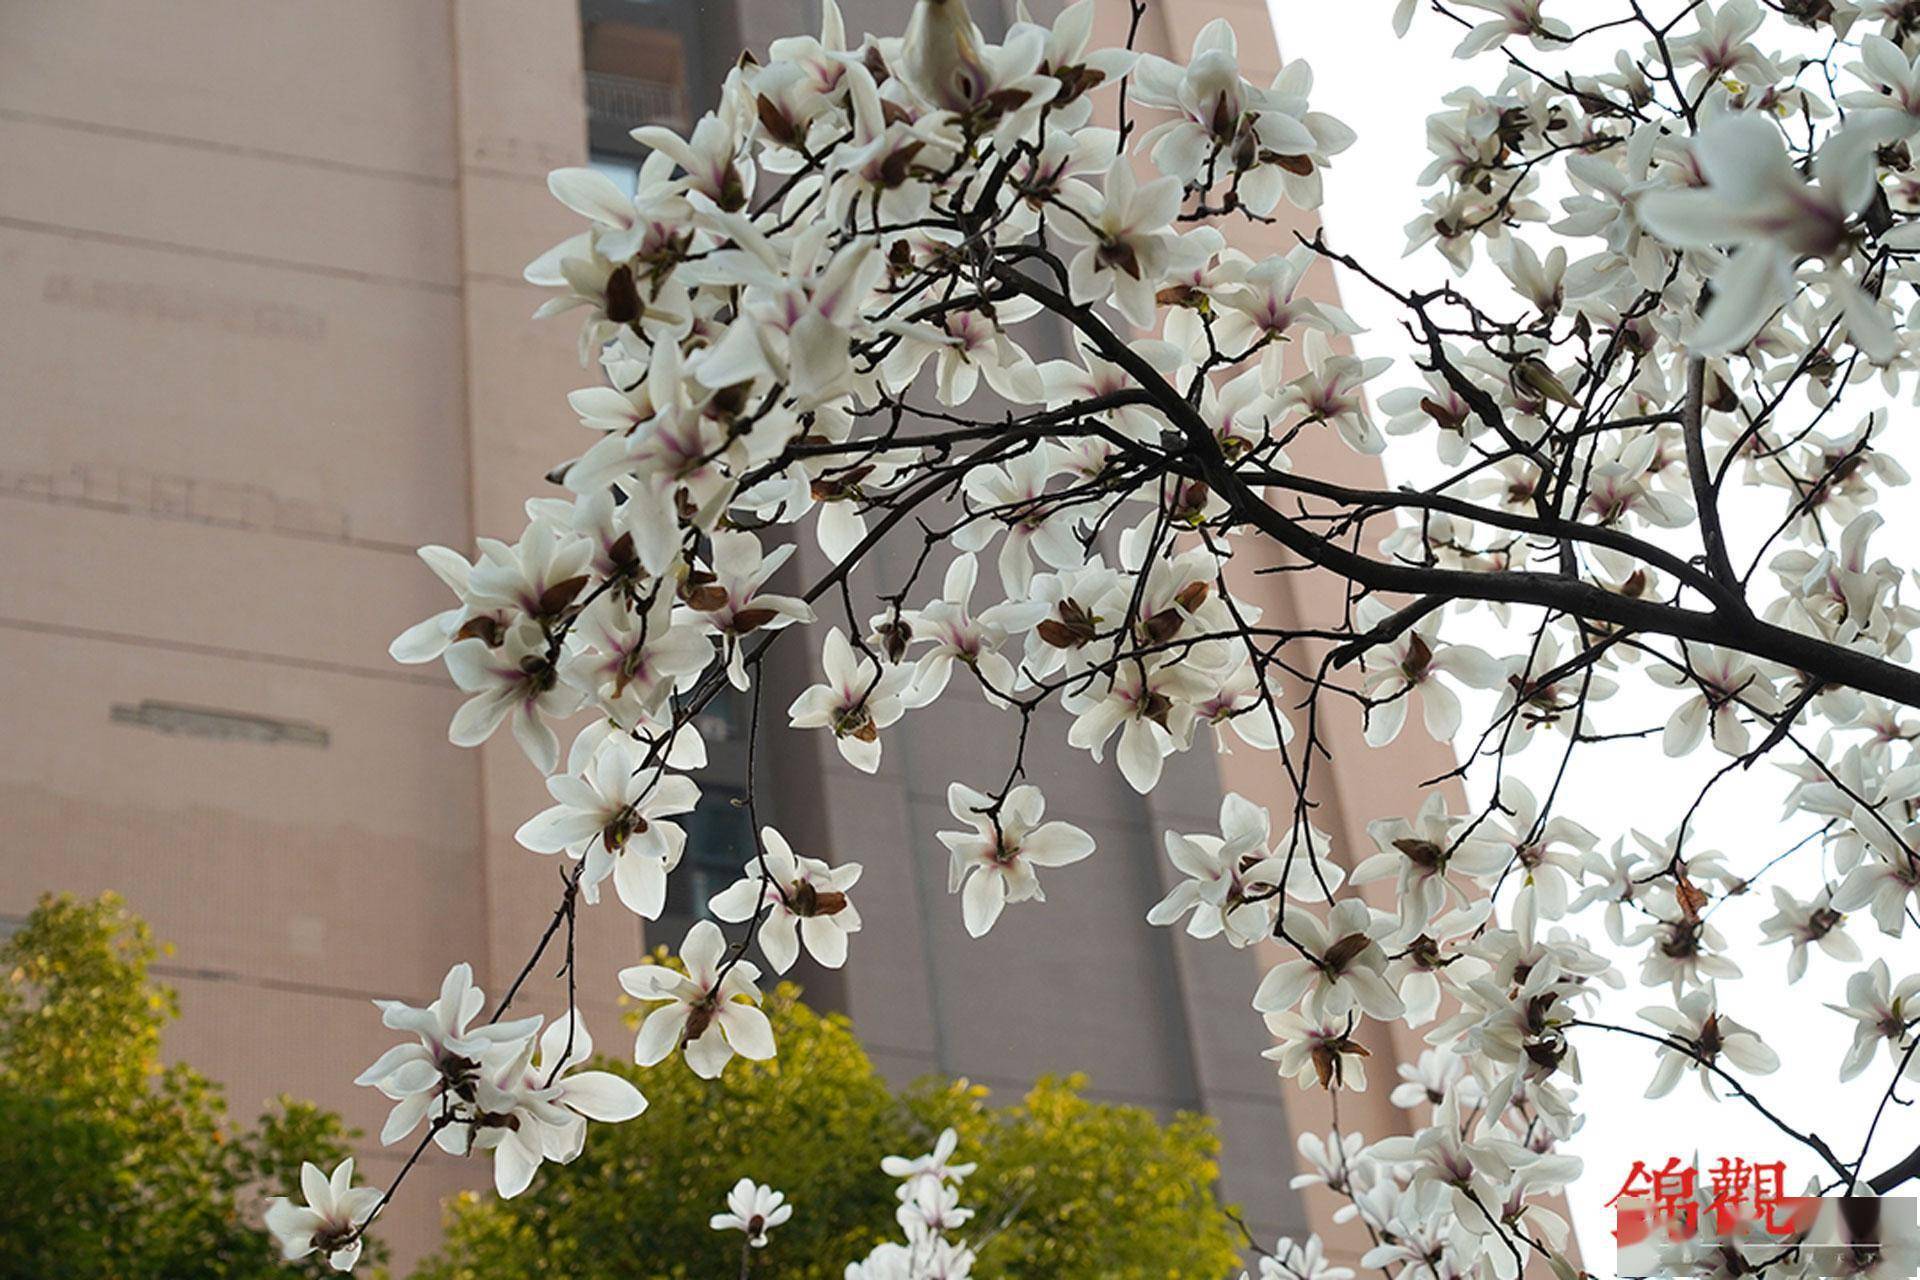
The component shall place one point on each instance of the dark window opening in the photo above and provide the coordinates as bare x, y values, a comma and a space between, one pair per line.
650, 62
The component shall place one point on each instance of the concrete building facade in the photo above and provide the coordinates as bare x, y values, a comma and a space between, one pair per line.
265, 333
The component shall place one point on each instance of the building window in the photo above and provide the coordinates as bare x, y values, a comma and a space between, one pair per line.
719, 831
719, 845
649, 62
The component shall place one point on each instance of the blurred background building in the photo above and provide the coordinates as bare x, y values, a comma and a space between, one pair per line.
264, 334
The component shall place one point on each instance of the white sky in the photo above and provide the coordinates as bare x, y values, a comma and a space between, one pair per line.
1385, 89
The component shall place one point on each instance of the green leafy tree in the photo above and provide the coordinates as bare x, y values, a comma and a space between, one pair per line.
117, 1166
1067, 1188
1076, 1187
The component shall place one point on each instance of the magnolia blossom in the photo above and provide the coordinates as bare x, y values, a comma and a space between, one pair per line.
929, 1208
710, 1012
440, 1064
615, 818
1151, 708
1806, 925
1233, 878
536, 1107
1317, 1051
515, 680
1428, 1081
754, 1209
1330, 392
425, 641
1883, 1012
1724, 684
994, 862
1009, 498
733, 602
1341, 966
804, 900
937, 1164
1505, 18
1125, 243
1699, 1037
1887, 883
858, 699
331, 1220
1553, 854
1410, 667
1419, 854
1757, 201
961, 635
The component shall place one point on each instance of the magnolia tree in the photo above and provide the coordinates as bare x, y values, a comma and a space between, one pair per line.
1658, 450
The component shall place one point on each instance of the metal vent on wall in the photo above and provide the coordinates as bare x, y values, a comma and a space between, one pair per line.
212, 722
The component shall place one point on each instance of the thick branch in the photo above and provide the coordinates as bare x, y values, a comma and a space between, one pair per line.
1826, 662
1712, 535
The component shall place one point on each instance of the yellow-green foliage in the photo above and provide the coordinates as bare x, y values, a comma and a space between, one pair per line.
1084, 1189
116, 1167
1095, 1188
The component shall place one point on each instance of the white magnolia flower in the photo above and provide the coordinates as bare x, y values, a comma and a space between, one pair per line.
1885, 883
708, 1015
798, 315
1317, 1051
1509, 18
1419, 855
1552, 853
858, 699
440, 1064
995, 860
329, 1222
1723, 685
1125, 242
1451, 1171
1757, 201
804, 900
1009, 498
1805, 925
1720, 47
930, 1208
531, 1110
425, 641
630, 664
1301, 1260
753, 1208
960, 635
1152, 708
1619, 878
1271, 301
1428, 1081
1409, 666
937, 1164
515, 679
967, 345
710, 159
733, 601
1337, 1162
1341, 966
1883, 1013
1232, 879
1330, 392
616, 818
1702, 1036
